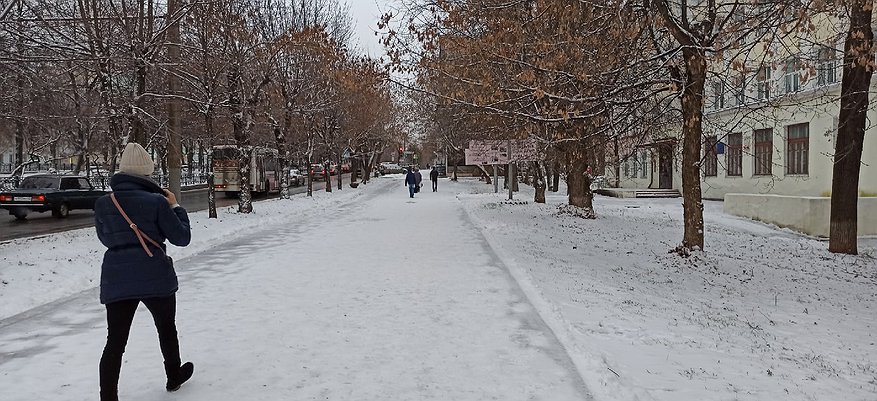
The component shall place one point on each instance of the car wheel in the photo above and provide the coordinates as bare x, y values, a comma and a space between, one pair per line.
20, 215
61, 211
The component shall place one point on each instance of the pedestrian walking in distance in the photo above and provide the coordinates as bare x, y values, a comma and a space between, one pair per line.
433, 176
418, 177
411, 182
133, 222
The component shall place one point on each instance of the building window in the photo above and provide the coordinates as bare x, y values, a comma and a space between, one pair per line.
643, 162
764, 151
791, 76
735, 155
826, 67
718, 95
740, 90
798, 149
710, 157
763, 80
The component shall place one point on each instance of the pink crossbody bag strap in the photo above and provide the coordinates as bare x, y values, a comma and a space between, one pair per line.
140, 235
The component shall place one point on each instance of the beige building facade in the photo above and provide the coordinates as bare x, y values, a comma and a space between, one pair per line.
770, 127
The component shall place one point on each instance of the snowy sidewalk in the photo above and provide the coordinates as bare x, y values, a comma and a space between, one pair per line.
381, 298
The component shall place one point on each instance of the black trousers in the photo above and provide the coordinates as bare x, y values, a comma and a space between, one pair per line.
119, 317
435, 186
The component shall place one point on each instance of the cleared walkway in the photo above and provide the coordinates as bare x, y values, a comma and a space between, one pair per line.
387, 298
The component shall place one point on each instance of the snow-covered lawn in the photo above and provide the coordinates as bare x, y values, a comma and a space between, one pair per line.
304, 300
763, 314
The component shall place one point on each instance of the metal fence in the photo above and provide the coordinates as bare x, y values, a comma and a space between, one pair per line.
7, 168
98, 181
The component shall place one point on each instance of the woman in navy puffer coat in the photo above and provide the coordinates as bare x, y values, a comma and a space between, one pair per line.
130, 275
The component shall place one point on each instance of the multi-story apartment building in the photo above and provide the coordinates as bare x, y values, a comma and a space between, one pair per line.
770, 123
770, 128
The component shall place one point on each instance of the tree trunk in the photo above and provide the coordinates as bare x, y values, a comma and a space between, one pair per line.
692, 132
456, 163
174, 128
135, 121
856, 81
211, 189
555, 176
282, 161
310, 177
579, 184
328, 177
617, 165
241, 136
538, 183
365, 166
354, 170
485, 174
339, 173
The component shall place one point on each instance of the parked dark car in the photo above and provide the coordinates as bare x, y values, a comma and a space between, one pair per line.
50, 192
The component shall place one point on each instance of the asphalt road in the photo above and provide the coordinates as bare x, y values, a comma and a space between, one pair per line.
45, 223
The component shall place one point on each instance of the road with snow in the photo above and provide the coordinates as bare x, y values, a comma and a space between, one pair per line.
45, 223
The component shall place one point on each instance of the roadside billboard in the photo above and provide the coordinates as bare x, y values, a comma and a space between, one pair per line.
487, 152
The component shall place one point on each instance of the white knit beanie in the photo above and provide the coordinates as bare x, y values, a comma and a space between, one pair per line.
136, 161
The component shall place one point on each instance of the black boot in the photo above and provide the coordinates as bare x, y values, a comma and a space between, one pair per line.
176, 376
106, 395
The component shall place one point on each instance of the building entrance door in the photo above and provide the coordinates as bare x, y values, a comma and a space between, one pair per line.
665, 167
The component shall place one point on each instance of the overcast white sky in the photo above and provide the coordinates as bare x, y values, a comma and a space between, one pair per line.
365, 15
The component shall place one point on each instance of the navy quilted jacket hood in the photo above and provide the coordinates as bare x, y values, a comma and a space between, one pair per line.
128, 272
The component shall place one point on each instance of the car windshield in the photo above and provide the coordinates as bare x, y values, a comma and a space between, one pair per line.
40, 183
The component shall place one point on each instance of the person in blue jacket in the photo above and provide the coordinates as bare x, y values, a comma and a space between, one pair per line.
411, 181
135, 267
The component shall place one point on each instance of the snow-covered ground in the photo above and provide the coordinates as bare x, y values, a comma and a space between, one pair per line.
763, 314
458, 295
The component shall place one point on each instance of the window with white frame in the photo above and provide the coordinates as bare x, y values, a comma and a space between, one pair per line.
635, 164
763, 82
734, 155
792, 76
798, 149
826, 66
763, 151
718, 95
740, 89
710, 162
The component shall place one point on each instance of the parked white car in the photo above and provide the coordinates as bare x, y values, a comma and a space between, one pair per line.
296, 178
390, 168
